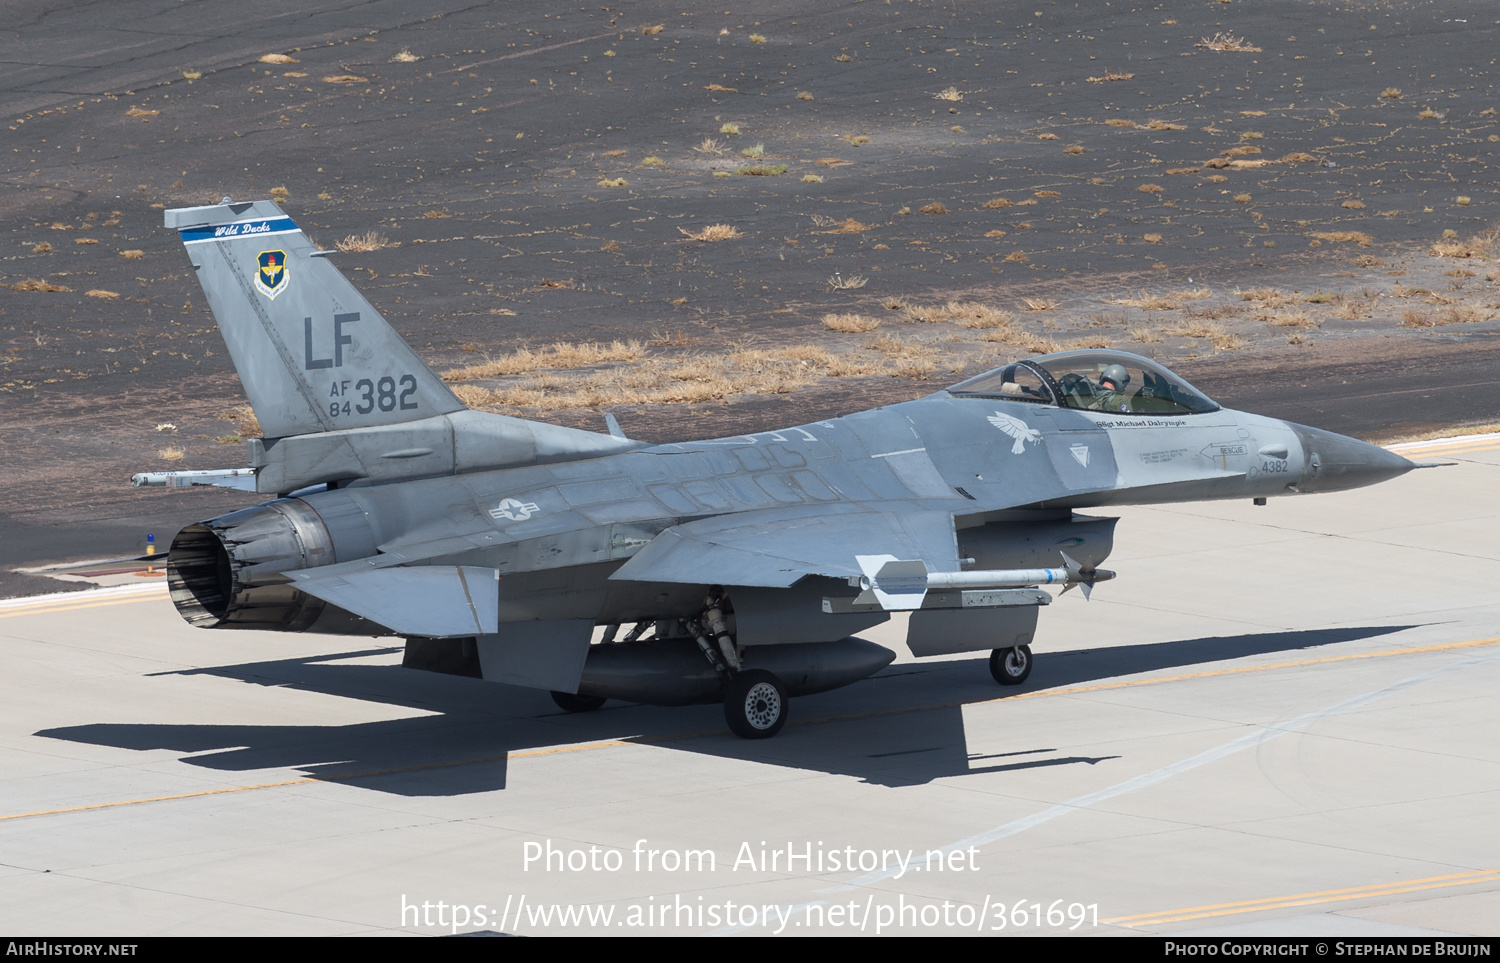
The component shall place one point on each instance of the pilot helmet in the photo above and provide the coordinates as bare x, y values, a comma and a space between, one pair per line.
1116, 375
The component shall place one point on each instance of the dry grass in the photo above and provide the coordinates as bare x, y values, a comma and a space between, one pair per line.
1352, 237
1151, 189
1242, 198
731, 129
1047, 136
85, 240
1073, 149
613, 182
556, 357
812, 178
275, 58
1017, 257
1391, 93
851, 283
1353, 205
969, 314
41, 248
708, 146
1297, 157
280, 194
405, 57
363, 243
1183, 170
40, 286
1475, 247
653, 30
998, 203
1120, 122
849, 323
102, 294
1268, 297
1144, 335
713, 232
1429, 114
1151, 238
695, 379
344, 79
1037, 304
951, 94
936, 207
1289, 319
846, 226
141, 112
1215, 334
761, 170
1226, 42
804, 95
757, 38
757, 150
651, 160
1164, 302
170, 453
192, 74
1111, 74
1164, 125
245, 422
1049, 194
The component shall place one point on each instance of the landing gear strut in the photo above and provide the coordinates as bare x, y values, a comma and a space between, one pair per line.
1011, 666
755, 704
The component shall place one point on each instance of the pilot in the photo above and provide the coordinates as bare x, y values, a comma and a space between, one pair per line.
1113, 381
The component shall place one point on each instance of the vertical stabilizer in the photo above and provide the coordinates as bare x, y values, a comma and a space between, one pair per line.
312, 353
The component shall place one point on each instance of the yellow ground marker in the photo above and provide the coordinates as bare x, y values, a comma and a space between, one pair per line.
1308, 899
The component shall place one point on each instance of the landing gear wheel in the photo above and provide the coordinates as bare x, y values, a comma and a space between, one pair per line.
576, 703
755, 704
1011, 666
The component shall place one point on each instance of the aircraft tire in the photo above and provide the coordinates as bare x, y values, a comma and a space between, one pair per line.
1011, 666
569, 702
755, 704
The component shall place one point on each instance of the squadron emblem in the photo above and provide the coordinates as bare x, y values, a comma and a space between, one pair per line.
270, 280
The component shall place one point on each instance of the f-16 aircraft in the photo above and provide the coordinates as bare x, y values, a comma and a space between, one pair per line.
737, 569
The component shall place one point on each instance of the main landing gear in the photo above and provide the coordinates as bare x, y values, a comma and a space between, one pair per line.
1011, 666
755, 704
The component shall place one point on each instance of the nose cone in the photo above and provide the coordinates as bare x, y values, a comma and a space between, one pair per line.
1336, 462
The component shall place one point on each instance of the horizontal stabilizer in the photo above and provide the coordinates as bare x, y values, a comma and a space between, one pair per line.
436, 601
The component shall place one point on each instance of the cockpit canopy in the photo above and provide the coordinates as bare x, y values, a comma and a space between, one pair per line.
1113, 381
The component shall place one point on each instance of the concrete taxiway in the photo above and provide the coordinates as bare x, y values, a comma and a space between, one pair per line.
1278, 720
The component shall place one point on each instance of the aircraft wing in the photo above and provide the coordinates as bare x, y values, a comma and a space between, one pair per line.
776, 547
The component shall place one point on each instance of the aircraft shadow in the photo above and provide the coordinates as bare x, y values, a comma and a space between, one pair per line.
904, 726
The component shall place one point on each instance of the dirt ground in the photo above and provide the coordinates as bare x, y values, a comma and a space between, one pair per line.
781, 213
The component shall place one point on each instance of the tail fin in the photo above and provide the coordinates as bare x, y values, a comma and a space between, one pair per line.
313, 354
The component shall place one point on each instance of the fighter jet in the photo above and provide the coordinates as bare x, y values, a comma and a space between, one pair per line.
737, 569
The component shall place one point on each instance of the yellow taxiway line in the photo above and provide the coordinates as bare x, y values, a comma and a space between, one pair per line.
1308, 899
